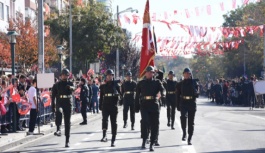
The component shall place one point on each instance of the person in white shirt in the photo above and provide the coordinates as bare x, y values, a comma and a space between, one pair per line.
32, 94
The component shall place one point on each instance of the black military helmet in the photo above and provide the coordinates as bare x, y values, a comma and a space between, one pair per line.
187, 70
171, 73
109, 72
65, 72
150, 69
129, 73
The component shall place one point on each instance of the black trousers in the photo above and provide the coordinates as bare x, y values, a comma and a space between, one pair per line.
171, 110
13, 107
83, 110
67, 110
32, 119
150, 121
112, 112
128, 105
189, 114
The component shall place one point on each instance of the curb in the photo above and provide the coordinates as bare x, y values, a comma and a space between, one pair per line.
29, 139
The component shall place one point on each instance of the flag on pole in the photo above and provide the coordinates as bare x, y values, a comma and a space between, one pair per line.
148, 45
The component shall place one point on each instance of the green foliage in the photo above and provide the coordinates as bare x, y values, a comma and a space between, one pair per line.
93, 30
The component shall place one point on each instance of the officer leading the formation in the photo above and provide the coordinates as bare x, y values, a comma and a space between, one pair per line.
170, 87
146, 101
128, 91
62, 90
187, 92
108, 104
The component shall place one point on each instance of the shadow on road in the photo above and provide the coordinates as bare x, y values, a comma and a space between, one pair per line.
259, 150
94, 149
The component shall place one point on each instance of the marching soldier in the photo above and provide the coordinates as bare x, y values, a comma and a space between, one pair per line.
187, 92
84, 97
146, 101
128, 91
63, 93
171, 99
108, 104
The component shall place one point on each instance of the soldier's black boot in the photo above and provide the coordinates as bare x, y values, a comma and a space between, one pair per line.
143, 144
189, 140
184, 136
168, 122
152, 146
113, 140
157, 143
104, 139
67, 142
172, 126
132, 126
58, 131
125, 125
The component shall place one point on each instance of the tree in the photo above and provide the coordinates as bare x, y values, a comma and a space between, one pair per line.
93, 31
231, 64
26, 53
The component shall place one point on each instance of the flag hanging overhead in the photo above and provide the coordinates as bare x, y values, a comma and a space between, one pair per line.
148, 44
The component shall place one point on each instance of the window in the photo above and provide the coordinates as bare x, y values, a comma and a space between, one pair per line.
7, 12
1, 10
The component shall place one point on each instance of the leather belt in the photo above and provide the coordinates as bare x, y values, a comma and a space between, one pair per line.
129, 92
109, 95
65, 96
149, 97
171, 92
187, 97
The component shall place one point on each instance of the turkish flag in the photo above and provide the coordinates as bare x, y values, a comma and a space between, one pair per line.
209, 10
187, 13
233, 4
197, 11
148, 44
222, 6
15, 98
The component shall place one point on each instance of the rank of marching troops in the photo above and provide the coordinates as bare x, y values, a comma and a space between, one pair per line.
145, 97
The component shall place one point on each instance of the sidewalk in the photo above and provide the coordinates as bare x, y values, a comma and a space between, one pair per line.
15, 139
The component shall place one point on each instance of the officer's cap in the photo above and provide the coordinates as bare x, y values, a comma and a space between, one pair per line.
150, 69
109, 72
65, 72
129, 73
187, 70
171, 73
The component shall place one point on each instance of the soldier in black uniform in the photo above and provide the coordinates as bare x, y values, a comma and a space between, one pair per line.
171, 99
84, 97
108, 104
146, 101
128, 91
63, 93
187, 92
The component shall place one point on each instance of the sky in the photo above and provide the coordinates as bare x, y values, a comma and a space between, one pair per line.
213, 20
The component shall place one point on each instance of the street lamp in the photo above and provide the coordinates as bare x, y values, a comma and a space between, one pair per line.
12, 40
254, 21
130, 9
60, 49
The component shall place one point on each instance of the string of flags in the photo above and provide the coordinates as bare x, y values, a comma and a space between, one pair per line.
171, 17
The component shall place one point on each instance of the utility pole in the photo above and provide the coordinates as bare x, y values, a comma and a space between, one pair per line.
70, 35
117, 51
41, 37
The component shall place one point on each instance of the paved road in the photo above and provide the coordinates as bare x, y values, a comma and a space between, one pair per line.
218, 129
